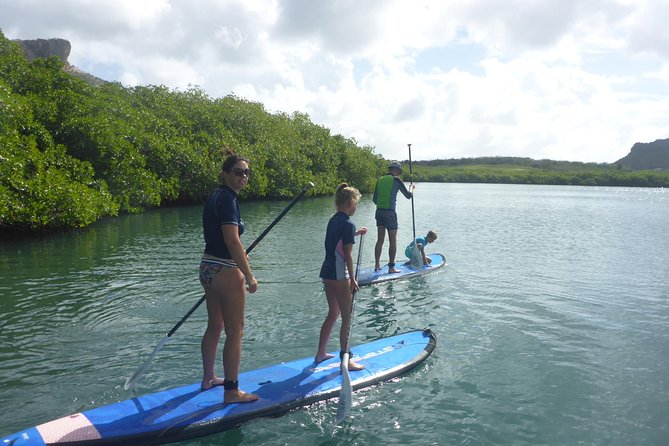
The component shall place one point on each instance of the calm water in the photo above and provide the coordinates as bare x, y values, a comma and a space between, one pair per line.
552, 318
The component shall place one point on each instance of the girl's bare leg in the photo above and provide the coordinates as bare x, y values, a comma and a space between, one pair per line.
345, 301
328, 323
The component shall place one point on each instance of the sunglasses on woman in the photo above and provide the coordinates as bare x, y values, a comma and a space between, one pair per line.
241, 172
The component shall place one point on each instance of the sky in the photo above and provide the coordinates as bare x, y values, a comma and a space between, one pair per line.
566, 80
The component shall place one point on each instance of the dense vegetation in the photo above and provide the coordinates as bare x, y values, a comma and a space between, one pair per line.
529, 171
71, 153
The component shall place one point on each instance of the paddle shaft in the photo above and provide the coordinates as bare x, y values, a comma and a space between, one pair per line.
357, 270
346, 395
131, 381
413, 213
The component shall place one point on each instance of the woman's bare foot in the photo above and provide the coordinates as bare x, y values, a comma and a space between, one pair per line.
355, 366
393, 270
209, 383
320, 358
237, 396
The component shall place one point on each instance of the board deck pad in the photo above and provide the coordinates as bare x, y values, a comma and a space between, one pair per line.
367, 276
187, 412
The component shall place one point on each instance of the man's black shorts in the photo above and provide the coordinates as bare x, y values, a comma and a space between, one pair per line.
387, 218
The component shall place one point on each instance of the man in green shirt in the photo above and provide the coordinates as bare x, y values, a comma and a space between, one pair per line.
385, 197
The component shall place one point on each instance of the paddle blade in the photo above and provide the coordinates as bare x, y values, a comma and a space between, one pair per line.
130, 382
346, 395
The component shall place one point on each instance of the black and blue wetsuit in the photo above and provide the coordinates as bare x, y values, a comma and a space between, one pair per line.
220, 209
340, 232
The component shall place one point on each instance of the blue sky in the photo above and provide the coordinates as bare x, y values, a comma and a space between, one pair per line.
557, 79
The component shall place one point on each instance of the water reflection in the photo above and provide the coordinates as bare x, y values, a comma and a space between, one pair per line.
378, 310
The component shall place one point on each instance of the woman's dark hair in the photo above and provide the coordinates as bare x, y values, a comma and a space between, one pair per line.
231, 158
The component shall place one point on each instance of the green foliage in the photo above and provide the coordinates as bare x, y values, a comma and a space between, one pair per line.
42, 187
72, 153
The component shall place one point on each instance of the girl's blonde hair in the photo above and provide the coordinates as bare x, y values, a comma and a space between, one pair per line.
346, 194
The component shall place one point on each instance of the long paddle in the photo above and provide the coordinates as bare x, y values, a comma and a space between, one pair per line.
416, 257
130, 382
346, 395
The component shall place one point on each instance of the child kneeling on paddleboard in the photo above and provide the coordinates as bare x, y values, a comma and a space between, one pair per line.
337, 272
421, 242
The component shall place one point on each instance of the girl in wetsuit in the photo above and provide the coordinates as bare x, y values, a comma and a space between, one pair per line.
337, 271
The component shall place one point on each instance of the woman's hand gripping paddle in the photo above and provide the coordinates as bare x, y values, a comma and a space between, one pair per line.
346, 395
130, 382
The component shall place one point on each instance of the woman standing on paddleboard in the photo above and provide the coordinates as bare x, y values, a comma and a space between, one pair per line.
223, 269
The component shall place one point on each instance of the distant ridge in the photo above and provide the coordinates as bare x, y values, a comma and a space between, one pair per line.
647, 156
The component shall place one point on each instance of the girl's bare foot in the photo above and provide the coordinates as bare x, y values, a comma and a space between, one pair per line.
355, 366
393, 270
237, 396
320, 358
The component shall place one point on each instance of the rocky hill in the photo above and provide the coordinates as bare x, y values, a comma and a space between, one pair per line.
647, 156
43, 48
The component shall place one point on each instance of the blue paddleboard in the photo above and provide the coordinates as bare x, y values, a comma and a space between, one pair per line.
368, 276
186, 412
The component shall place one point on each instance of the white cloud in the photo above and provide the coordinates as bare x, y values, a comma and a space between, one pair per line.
560, 79
650, 33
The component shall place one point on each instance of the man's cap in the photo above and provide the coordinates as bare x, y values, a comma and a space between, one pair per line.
395, 165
